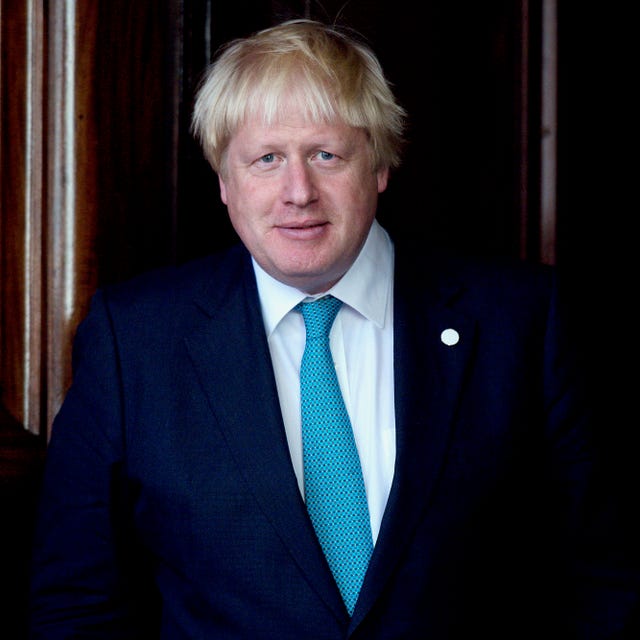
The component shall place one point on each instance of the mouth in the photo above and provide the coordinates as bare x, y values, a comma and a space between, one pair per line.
303, 230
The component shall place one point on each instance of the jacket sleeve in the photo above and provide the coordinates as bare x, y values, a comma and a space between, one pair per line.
80, 583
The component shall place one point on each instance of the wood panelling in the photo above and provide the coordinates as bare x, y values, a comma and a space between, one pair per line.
21, 209
136, 81
49, 199
72, 204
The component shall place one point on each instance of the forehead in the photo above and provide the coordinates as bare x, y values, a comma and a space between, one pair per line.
295, 128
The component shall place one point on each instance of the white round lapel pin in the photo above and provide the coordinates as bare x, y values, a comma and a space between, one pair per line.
450, 337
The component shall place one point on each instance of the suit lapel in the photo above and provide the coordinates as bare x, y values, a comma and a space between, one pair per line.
428, 377
229, 350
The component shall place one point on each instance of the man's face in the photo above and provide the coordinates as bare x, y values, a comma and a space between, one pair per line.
302, 197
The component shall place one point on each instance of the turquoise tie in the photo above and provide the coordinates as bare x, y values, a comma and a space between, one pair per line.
333, 484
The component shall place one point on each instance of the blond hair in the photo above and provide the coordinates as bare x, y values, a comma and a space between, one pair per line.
319, 69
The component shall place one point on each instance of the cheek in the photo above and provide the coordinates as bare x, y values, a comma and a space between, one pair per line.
244, 193
236, 196
244, 208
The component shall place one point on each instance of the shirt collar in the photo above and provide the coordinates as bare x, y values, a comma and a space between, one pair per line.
365, 286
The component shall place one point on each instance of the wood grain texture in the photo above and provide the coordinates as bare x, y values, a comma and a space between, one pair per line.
21, 210
72, 160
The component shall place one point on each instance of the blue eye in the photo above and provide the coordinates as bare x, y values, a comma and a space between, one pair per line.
325, 155
268, 158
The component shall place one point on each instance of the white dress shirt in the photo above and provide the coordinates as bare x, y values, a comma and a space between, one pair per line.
362, 345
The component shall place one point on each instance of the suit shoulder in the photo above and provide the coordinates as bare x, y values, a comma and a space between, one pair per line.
504, 273
492, 277
163, 298
175, 284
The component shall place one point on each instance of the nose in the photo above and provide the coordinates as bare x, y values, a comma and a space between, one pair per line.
299, 186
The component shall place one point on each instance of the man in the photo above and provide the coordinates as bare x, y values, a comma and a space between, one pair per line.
184, 497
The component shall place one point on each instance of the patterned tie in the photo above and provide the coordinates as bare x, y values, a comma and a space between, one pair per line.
334, 488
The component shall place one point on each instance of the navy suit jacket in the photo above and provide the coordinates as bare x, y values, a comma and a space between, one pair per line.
170, 508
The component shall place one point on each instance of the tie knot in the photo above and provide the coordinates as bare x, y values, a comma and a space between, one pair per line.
319, 315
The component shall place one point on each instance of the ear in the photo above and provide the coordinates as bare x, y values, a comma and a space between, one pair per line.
223, 190
383, 179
